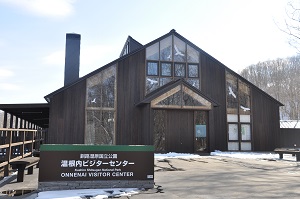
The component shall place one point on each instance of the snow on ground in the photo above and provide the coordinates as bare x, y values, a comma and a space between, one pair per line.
245, 155
239, 155
175, 155
87, 193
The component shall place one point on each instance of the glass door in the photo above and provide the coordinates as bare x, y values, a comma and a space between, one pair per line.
201, 128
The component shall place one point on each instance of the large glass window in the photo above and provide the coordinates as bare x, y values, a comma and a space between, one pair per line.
100, 107
238, 114
170, 59
159, 131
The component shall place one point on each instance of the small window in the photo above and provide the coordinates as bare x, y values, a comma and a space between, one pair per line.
193, 70
166, 69
152, 68
179, 70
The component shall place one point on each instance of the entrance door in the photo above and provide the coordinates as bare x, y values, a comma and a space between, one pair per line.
180, 131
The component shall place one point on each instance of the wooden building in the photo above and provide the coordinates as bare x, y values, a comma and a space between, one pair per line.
168, 93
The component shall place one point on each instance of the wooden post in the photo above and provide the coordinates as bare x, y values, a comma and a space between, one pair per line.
8, 153
23, 145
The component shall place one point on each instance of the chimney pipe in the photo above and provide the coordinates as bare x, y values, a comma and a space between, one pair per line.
72, 58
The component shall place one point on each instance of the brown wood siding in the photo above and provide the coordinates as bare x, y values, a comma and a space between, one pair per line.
132, 122
265, 116
67, 116
213, 85
289, 137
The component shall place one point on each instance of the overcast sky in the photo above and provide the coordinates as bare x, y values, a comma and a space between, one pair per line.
238, 33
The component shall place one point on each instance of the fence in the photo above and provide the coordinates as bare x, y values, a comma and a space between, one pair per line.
16, 144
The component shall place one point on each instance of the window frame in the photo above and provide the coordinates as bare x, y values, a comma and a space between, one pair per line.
157, 69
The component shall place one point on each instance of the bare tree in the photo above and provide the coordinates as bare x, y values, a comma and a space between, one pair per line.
292, 24
281, 79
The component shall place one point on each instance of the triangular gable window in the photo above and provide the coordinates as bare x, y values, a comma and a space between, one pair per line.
181, 97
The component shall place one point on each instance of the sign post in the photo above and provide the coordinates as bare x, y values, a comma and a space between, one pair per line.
96, 166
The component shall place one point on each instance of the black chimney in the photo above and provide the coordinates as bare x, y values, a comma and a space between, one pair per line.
72, 58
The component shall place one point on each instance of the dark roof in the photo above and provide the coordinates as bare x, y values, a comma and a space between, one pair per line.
37, 114
173, 31
130, 46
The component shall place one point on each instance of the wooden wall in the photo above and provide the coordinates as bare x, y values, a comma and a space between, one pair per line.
67, 116
289, 137
265, 117
132, 122
213, 85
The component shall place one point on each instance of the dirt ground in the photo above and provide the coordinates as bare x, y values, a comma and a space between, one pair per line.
214, 177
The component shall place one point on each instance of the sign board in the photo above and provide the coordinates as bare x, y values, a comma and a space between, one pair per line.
96, 162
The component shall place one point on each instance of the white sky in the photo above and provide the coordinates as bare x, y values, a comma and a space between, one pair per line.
32, 35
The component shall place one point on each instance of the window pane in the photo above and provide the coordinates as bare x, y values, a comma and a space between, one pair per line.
193, 70
164, 81
233, 132
173, 100
179, 50
152, 83
101, 89
194, 82
233, 146
232, 94
246, 146
152, 52
166, 69
246, 132
179, 70
245, 118
152, 68
232, 118
244, 95
100, 127
159, 130
192, 55
166, 49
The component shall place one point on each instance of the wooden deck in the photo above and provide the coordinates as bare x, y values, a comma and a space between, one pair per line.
16, 144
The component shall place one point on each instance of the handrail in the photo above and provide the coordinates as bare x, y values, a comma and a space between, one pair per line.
16, 144
11, 129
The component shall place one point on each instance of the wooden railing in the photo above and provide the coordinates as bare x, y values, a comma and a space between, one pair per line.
16, 144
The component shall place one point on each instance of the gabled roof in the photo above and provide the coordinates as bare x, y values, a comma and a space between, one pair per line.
171, 85
141, 47
130, 46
